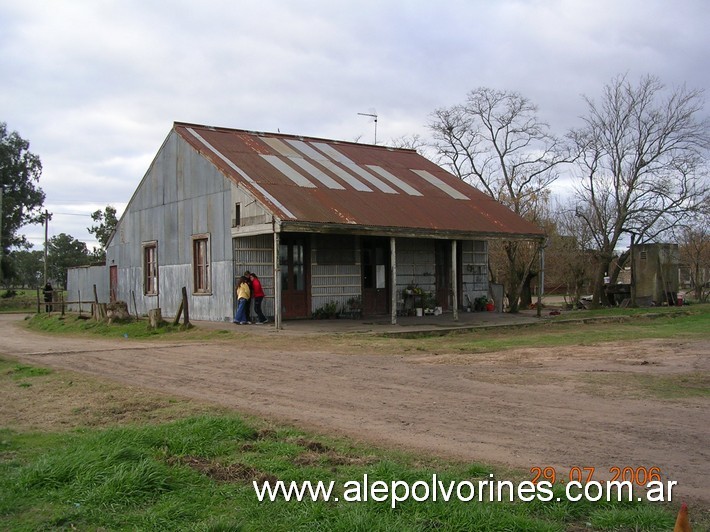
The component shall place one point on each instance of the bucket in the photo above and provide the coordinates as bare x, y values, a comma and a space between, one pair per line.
420, 312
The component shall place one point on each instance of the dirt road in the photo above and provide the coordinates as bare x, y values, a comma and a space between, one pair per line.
562, 407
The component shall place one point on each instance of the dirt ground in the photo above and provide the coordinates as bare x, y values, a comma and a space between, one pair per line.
582, 406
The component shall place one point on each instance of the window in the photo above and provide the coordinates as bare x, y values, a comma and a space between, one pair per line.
201, 264
237, 220
150, 268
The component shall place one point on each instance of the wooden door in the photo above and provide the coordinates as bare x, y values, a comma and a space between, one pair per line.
375, 276
113, 283
294, 264
443, 273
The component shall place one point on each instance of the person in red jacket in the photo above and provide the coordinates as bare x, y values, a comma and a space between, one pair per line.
257, 295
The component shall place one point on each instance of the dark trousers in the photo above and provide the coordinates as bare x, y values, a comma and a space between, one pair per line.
257, 309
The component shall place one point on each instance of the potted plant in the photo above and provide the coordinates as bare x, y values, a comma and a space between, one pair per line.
479, 304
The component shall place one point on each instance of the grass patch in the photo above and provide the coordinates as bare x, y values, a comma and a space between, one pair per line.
188, 470
611, 325
72, 324
588, 328
20, 300
19, 371
680, 386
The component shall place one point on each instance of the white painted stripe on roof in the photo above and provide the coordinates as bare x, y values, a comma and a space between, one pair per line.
306, 150
350, 165
317, 173
396, 181
281, 147
329, 165
286, 170
242, 173
441, 185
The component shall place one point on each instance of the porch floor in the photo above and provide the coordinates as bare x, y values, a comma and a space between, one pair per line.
382, 324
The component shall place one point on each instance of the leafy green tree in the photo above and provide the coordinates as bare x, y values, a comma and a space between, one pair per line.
22, 199
107, 222
63, 252
27, 268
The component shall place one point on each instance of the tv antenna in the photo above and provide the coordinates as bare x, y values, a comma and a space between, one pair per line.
373, 115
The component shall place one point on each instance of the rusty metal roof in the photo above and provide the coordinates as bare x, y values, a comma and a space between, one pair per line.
317, 181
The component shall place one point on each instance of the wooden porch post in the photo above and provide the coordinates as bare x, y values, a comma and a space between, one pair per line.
541, 279
454, 281
277, 282
393, 281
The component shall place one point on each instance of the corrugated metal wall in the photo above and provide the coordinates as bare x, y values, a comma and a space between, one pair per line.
256, 254
416, 264
80, 286
474, 270
335, 271
181, 195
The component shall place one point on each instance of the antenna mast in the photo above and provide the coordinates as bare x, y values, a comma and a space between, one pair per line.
373, 115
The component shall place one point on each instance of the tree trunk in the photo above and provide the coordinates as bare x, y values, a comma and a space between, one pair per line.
599, 298
618, 267
526, 292
155, 316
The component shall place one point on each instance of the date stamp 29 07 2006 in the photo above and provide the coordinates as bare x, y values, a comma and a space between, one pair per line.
622, 479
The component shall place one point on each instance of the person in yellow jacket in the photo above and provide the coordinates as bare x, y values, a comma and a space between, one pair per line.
243, 296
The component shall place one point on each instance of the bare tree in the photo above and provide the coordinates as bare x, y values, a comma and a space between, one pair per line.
496, 142
642, 165
694, 249
571, 245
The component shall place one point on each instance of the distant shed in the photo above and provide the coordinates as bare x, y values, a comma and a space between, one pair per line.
656, 273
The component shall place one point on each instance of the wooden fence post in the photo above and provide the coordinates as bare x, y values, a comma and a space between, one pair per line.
176, 321
186, 309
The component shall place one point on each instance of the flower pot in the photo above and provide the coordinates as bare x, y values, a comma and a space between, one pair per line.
490, 307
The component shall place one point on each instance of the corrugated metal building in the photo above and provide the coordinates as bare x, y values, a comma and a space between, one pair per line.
656, 273
321, 222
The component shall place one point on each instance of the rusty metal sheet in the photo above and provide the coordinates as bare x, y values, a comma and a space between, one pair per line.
319, 181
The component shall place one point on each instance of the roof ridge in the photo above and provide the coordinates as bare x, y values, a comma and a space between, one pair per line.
278, 134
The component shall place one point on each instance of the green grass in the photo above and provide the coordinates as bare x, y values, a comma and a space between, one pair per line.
24, 300
197, 473
73, 324
695, 384
574, 328
578, 328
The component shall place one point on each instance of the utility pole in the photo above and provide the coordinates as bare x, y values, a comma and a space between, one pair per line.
46, 242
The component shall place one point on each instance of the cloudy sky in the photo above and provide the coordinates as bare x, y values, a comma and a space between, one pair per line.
95, 85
